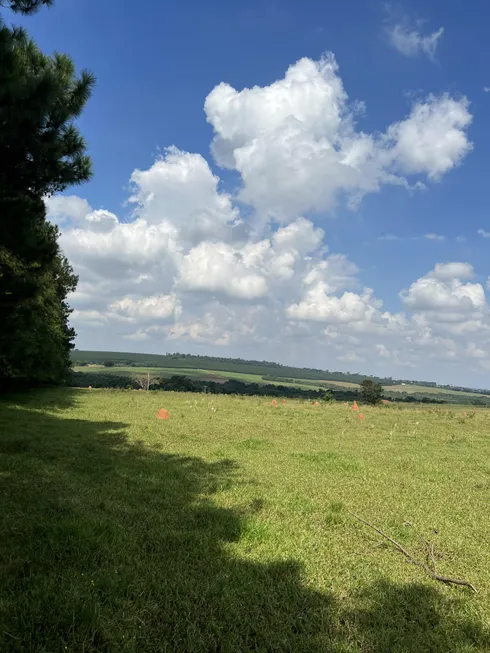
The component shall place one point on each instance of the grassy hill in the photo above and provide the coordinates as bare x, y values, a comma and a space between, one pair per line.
229, 527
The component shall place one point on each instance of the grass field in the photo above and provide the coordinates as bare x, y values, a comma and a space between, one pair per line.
412, 388
227, 528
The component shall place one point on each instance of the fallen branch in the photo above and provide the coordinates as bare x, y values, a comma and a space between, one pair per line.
411, 559
429, 548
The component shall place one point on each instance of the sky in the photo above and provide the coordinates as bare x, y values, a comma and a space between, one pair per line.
292, 181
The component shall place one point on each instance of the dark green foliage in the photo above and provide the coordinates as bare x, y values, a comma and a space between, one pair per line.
180, 383
88, 380
109, 363
479, 402
25, 6
41, 153
40, 96
371, 392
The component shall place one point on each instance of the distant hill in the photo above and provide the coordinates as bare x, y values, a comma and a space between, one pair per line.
265, 369
190, 361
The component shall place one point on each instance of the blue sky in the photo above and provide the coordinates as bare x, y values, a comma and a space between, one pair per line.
155, 65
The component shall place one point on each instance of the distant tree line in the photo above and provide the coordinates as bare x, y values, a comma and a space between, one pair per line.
181, 383
438, 398
266, 369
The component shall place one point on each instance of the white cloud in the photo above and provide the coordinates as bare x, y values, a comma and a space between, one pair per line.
483, 233
432, 140
179, 189
219, 267
411, 42
432, 295
449, 271
297, 148
101, 220
442, 290
318, 305
255, 278
436, 237
159, 307
66, 208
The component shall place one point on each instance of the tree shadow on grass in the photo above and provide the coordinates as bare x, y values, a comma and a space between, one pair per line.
110, 546
42, 398
414, 618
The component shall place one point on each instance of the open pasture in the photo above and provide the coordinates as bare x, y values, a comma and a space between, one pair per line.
229, 526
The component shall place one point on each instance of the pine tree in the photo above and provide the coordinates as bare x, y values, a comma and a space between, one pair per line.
42, 152
25, 6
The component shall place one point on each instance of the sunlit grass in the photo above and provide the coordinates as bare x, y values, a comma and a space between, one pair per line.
228, 528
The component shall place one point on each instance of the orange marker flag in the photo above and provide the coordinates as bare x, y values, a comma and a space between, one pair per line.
355, 406
163, 414
274, 402
317, 403
361, 416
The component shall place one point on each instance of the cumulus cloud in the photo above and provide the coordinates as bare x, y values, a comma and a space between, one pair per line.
66, 208
297, 147
483, 233
450, 271
432, 140
412, 43
320, 306
159, 307
435, 237
253, 274
442, 290
180, 190
219, 267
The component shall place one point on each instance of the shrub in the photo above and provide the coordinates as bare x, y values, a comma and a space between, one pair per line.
371, 392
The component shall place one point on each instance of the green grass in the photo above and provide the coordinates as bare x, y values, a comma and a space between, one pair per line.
412, 388
227, 528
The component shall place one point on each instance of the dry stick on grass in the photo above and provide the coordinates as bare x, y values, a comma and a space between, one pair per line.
410, 558
429, 548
